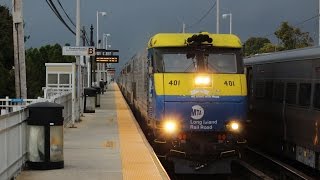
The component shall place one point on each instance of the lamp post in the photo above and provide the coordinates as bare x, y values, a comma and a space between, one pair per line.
218, 16
105, 40
224, 16
102, 14
98, 44
105, 45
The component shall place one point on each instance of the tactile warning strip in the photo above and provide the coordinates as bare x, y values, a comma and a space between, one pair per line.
136, 157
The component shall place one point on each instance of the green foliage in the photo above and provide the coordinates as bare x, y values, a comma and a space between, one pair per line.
6, 82
6, 53
254, 44
292, 38
36, 70
35, 60
269, 47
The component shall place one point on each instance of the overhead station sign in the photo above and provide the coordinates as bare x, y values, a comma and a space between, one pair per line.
106, 56
78, 51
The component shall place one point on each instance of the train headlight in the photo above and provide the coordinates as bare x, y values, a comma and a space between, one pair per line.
233, 126
170, 126
202, 80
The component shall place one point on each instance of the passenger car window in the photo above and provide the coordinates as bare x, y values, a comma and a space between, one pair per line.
269, 90
278, 92
305, 94
259, 90
291, 93
316, 98
129, 68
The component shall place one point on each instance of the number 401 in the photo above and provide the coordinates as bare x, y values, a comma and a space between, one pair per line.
174, 82
229, 83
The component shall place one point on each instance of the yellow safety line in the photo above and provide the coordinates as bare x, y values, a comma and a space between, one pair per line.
137, 163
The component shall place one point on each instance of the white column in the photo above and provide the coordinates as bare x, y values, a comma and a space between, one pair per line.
77, 87
97, 45
97, 29
230, 23
19, 49
218, 17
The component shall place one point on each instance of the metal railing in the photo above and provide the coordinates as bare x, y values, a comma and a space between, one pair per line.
50, 92
64, 99
13, 129
8, 105
13, 143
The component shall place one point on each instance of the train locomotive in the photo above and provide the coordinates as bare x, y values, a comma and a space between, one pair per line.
191, 92
284, 104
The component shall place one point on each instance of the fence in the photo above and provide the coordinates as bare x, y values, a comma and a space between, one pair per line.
64, 99
13, 129
8, 105
13, 148
50, 92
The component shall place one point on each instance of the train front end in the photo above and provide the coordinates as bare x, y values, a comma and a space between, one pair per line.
197, 100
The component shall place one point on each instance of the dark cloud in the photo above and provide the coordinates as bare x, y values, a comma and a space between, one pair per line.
132, 22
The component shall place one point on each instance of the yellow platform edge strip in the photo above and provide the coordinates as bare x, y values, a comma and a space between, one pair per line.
135, 159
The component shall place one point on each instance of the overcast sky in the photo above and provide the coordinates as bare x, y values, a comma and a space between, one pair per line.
132, 22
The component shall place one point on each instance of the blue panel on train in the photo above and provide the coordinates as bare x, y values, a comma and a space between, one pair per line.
197, 116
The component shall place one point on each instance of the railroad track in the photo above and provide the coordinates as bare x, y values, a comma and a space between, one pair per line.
257, 165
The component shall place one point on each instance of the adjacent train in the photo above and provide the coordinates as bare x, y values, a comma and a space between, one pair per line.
284, 103
191, 92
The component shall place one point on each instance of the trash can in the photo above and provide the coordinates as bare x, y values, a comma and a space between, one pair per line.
98, 89
90, 100
45, 136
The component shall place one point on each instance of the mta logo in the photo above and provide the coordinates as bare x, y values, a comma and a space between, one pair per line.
197, 112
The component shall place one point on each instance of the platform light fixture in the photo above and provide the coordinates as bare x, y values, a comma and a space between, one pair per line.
224, 16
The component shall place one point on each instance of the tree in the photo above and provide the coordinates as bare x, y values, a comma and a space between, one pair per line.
36, 70
6, 53
269, 47
254, 44
35, 60
292, 38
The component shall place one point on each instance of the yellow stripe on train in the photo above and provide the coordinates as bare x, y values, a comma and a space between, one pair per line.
195, 84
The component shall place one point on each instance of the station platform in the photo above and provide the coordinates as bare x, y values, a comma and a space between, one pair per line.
107, 144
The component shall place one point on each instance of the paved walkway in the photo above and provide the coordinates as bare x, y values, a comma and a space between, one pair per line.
93, 150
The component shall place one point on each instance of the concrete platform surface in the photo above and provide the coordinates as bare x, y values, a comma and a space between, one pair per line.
107, 144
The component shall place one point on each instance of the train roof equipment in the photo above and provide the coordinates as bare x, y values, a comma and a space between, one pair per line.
181, 40
283, 56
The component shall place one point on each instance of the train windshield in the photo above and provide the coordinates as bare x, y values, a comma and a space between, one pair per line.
184, 60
